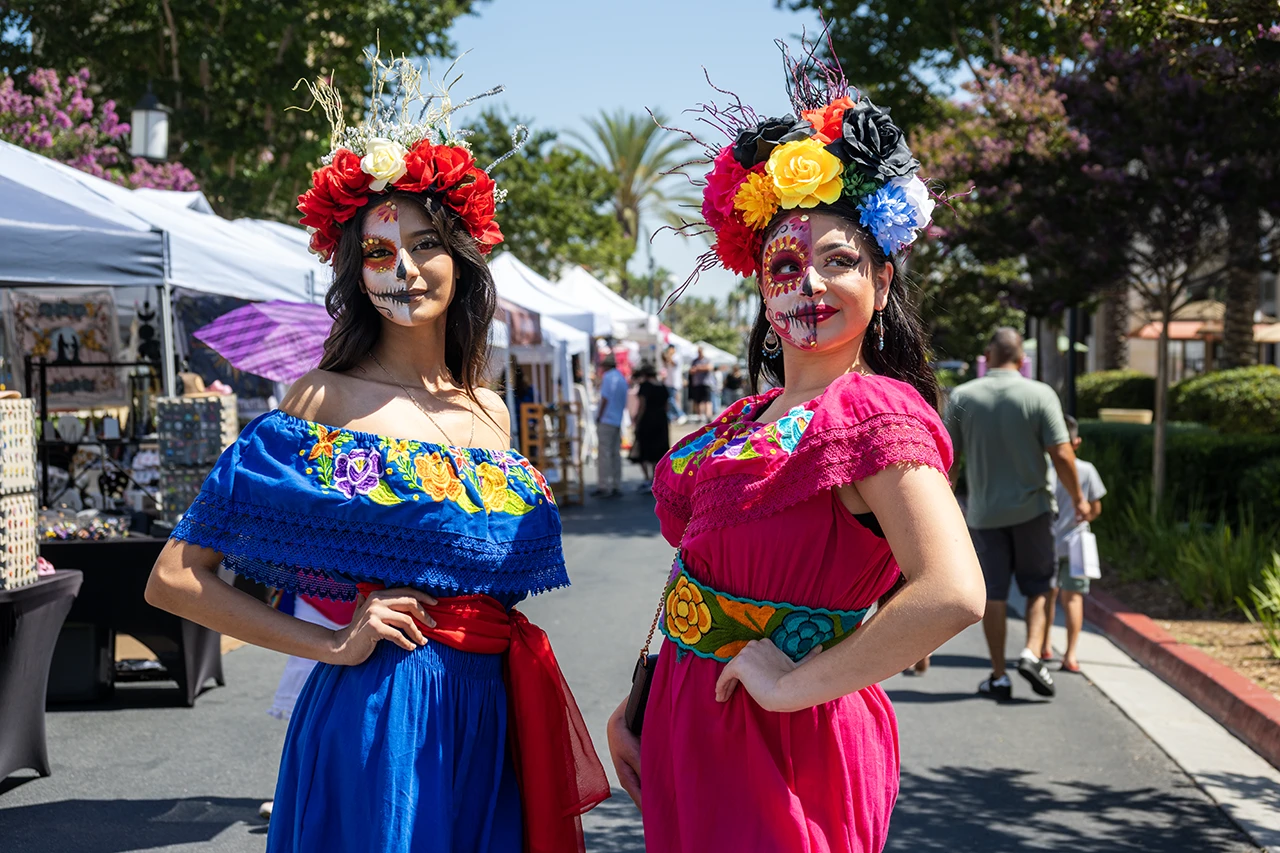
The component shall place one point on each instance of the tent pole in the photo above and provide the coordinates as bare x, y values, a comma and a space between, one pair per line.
169, 375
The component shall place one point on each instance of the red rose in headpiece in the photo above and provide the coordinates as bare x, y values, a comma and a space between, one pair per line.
828, 122
348, 183
434, 167
474, 203
738, 247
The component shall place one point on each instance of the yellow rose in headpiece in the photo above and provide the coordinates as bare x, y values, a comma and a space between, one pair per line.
805, 174
756, 200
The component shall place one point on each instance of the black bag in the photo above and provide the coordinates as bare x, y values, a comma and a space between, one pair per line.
642, 678
641, 681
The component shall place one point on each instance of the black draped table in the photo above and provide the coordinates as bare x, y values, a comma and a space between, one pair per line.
111, 600
30, 618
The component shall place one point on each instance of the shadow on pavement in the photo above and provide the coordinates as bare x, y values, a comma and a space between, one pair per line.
117, 826
965, 809
614, 826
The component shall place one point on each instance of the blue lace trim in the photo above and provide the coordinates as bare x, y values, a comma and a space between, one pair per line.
324, 557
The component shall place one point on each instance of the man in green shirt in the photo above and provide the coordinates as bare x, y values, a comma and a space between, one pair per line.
1009, 429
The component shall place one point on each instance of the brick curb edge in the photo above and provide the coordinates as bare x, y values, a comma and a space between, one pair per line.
1246, 710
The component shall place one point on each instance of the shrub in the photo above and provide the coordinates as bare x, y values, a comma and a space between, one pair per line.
1265, 600
1261, 483
1114, 389
1244, 401
1217, 565
1202, 466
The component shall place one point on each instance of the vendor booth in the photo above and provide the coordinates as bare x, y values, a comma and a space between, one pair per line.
100, 287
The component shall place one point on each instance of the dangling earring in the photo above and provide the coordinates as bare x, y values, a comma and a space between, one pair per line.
772, 345
880, 328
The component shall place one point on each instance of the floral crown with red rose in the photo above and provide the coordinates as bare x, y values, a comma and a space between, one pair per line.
842, 147
405, 144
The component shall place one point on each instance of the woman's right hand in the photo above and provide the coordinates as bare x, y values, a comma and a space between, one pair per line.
387, 614
624, 749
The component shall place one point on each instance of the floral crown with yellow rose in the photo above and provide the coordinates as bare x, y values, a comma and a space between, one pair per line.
405, 143
842, 147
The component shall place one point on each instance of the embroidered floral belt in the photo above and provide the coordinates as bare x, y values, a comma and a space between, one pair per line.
717, 625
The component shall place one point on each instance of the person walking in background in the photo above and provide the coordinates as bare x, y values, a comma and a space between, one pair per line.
653, 435
733, 382
673, 378
1072, 589
1005, 425
700, 386
613, 402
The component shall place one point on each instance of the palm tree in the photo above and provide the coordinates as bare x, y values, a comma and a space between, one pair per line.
639, 154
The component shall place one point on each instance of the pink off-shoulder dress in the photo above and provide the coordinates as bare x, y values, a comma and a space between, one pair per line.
752, 506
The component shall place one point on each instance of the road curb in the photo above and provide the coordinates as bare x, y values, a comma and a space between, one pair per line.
1245, 709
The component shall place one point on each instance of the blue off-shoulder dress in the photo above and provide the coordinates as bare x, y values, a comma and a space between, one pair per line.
406, 752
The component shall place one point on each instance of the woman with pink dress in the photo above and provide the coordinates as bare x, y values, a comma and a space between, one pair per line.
796, 510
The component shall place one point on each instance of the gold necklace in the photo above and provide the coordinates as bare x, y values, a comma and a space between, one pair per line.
412, 399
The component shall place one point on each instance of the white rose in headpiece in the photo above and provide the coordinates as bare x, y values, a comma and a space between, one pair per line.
918, 197
384, 160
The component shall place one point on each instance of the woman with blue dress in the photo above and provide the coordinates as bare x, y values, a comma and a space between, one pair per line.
438, 719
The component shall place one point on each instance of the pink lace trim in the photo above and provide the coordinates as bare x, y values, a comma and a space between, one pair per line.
824, 461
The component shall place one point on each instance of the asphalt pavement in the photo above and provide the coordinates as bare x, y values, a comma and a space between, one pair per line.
142, 773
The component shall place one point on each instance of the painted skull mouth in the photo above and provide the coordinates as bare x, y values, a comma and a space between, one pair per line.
402, 297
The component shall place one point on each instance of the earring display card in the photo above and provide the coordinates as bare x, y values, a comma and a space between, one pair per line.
17, 446
193, 431
18, 544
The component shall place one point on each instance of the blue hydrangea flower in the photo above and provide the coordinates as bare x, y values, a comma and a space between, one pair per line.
801, 631
891, 218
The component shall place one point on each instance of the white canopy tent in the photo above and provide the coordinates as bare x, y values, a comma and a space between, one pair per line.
521, 285
579, 287
56, 230
60, 226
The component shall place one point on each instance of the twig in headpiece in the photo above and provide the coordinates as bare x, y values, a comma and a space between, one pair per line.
519, 137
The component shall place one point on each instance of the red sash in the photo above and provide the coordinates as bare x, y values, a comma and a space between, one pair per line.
560, 776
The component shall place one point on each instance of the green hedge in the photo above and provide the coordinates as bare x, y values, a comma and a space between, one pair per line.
1204, 468
1245, 401
1261, 483
1114, 389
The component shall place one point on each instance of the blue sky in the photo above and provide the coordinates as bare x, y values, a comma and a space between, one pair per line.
561, 60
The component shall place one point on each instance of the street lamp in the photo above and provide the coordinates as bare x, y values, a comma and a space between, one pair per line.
150, 129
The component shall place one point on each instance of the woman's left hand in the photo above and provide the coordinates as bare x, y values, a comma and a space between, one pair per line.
760, 667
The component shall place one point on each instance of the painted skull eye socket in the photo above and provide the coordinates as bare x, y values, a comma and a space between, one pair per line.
379, 254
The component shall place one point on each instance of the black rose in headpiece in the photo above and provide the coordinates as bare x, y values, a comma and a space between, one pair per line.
755, 144
872, 141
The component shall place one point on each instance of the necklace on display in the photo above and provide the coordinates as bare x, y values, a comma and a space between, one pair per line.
414, 400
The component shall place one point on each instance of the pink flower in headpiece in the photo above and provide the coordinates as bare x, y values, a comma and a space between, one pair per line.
723, 181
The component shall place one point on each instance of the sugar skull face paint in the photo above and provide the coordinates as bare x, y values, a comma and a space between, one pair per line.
786, 283
406, 269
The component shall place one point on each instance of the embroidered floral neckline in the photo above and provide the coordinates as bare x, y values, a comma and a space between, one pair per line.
356, 465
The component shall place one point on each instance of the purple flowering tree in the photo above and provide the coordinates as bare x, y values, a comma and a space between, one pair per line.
58, 118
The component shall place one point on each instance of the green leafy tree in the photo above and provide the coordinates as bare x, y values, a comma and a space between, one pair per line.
228, 70
639, 155
704, 319
557, 210
905, 53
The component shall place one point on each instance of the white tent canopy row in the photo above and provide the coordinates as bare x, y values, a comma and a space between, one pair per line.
520, 284
579, 287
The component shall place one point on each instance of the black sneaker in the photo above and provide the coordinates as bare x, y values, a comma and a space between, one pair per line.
1000, 689
1034, 671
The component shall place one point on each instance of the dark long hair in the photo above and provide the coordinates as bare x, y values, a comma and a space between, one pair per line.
357, 324
904, 356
